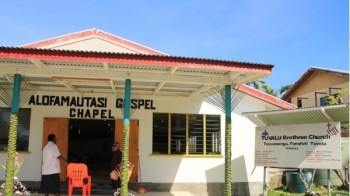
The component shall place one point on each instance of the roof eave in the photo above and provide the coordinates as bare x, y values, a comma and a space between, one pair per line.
266, 97
127, 58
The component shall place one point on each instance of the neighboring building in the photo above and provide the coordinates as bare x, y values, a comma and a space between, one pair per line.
74, 87
314, 87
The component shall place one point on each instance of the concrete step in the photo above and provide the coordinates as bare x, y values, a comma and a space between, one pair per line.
97, 188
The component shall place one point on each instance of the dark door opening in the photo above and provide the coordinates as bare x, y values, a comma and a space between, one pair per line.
90, 142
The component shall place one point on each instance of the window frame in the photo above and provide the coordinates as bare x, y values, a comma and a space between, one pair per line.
203, 143
25, 127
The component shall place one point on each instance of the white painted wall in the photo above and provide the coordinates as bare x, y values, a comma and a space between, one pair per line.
162, 168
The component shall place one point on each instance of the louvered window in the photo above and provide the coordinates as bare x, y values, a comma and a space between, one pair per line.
187, 134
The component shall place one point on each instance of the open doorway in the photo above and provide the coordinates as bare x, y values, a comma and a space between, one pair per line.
90, 142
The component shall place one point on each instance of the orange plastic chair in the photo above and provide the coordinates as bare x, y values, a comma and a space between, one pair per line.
78, 177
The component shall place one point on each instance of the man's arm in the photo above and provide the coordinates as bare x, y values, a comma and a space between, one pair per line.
62, 159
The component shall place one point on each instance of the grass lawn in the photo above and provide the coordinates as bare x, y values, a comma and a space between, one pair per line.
282, 191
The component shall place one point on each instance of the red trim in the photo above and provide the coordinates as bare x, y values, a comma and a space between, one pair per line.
266, 97
139, 59
113, 39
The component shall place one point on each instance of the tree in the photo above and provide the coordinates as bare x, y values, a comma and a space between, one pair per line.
284, 89
342, 96
257, 84
265, 87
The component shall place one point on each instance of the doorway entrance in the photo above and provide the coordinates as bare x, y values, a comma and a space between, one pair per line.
90, 142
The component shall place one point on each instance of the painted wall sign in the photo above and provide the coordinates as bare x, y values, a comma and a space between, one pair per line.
90, 113
299, 146
87, 107
137, 104
70, 101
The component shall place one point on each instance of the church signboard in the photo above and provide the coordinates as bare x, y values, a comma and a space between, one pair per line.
299, 146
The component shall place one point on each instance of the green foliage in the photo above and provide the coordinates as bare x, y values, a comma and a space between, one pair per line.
342, 94
265, 87
284, 89
257, 84
18, 164
282, 191
125, 159
11, 153
228, 157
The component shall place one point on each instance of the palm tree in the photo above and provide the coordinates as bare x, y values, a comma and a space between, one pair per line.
263, 86
267, 89
284, 89
257, 84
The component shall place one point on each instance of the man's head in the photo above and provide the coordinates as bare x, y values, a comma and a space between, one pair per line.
51, 138
115, 146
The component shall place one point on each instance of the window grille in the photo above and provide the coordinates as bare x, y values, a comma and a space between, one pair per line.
187, 134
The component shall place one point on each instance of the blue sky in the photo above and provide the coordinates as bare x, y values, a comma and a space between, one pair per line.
292, 35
